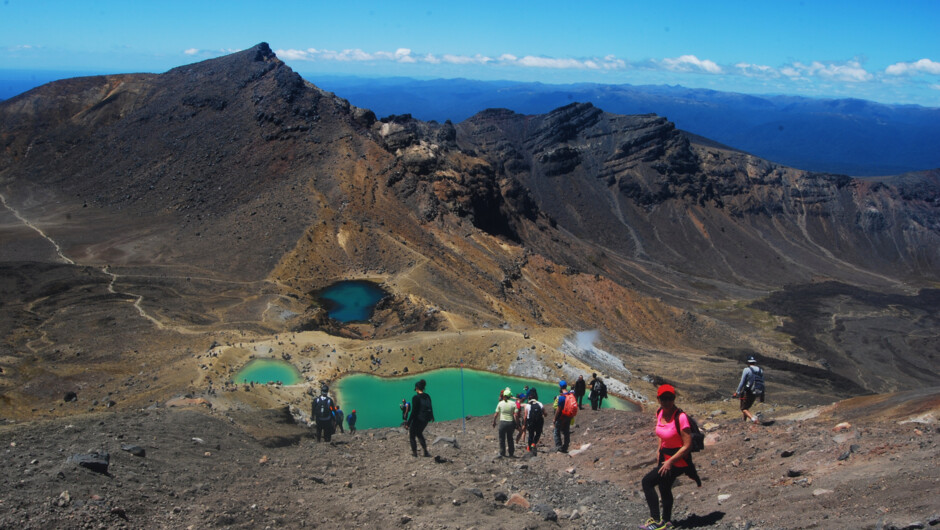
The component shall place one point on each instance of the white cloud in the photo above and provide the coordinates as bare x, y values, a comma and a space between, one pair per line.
465, 59
405, 56
191, 51
757, 70
551, 62
690, 63
849, 71
925, 66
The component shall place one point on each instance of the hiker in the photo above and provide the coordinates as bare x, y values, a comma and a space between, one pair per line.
506, 415
323, 414
601, 388
521, 406
351, 421
579, 391
535, 420
566, 406
421, 414
750, 388
674, 459
338, 416
524, 395
405, 409
595, 391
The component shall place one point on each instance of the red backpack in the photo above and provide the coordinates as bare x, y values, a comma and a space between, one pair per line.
571, 405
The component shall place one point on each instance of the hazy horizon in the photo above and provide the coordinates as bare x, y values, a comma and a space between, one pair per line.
873, 50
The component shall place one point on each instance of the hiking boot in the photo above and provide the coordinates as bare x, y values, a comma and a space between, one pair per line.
414, 454
652, 524
426, 453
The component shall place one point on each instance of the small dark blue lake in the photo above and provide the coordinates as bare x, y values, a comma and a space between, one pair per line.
351, 300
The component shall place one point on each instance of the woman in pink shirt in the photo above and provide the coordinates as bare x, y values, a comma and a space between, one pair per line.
675, 459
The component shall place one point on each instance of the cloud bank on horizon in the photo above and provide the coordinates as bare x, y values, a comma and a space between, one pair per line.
816, 78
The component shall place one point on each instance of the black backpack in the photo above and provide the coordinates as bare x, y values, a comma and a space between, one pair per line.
698, 437
602, 391
535, 416
323, 408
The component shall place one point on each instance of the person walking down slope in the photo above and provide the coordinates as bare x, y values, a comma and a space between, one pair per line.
579, 387
506, 415
675, 459
566, 407
601, 387
421, 414
338, 415
351, 421
323, 414
595, 391
535, 420
405, 409
750, 388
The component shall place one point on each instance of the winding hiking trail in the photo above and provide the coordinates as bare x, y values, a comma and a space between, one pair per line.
26, 222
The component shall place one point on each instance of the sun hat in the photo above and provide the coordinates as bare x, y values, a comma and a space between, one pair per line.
665, 389
507, 392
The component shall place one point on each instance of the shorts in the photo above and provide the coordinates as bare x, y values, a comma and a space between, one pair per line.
747, 399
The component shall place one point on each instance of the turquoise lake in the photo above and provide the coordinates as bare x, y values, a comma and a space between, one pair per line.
268, 370
376, 399
351, 301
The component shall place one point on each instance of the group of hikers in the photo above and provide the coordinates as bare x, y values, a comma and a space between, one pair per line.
524, 415
328, 417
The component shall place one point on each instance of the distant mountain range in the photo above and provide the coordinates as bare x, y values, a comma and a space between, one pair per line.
846, 136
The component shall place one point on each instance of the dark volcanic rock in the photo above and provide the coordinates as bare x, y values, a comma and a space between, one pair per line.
97, 462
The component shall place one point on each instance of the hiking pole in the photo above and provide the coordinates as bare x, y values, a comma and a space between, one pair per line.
463, 411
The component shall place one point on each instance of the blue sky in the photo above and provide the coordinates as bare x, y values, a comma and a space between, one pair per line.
887, 51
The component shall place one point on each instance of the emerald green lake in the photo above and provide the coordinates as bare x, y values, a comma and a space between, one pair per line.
376, 399
268, 370
351, 301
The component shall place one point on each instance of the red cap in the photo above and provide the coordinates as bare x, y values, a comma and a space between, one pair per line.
354, 411
665, 389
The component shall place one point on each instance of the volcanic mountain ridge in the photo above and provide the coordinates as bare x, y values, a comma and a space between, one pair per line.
161, 229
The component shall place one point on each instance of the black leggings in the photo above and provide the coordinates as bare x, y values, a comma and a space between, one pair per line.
653, 479
535, 433
416, 430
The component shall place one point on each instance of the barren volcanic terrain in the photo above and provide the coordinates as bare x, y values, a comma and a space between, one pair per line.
159, 231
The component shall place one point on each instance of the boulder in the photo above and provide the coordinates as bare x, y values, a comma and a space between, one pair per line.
135, 450
97, 462
517, 500
546, 511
